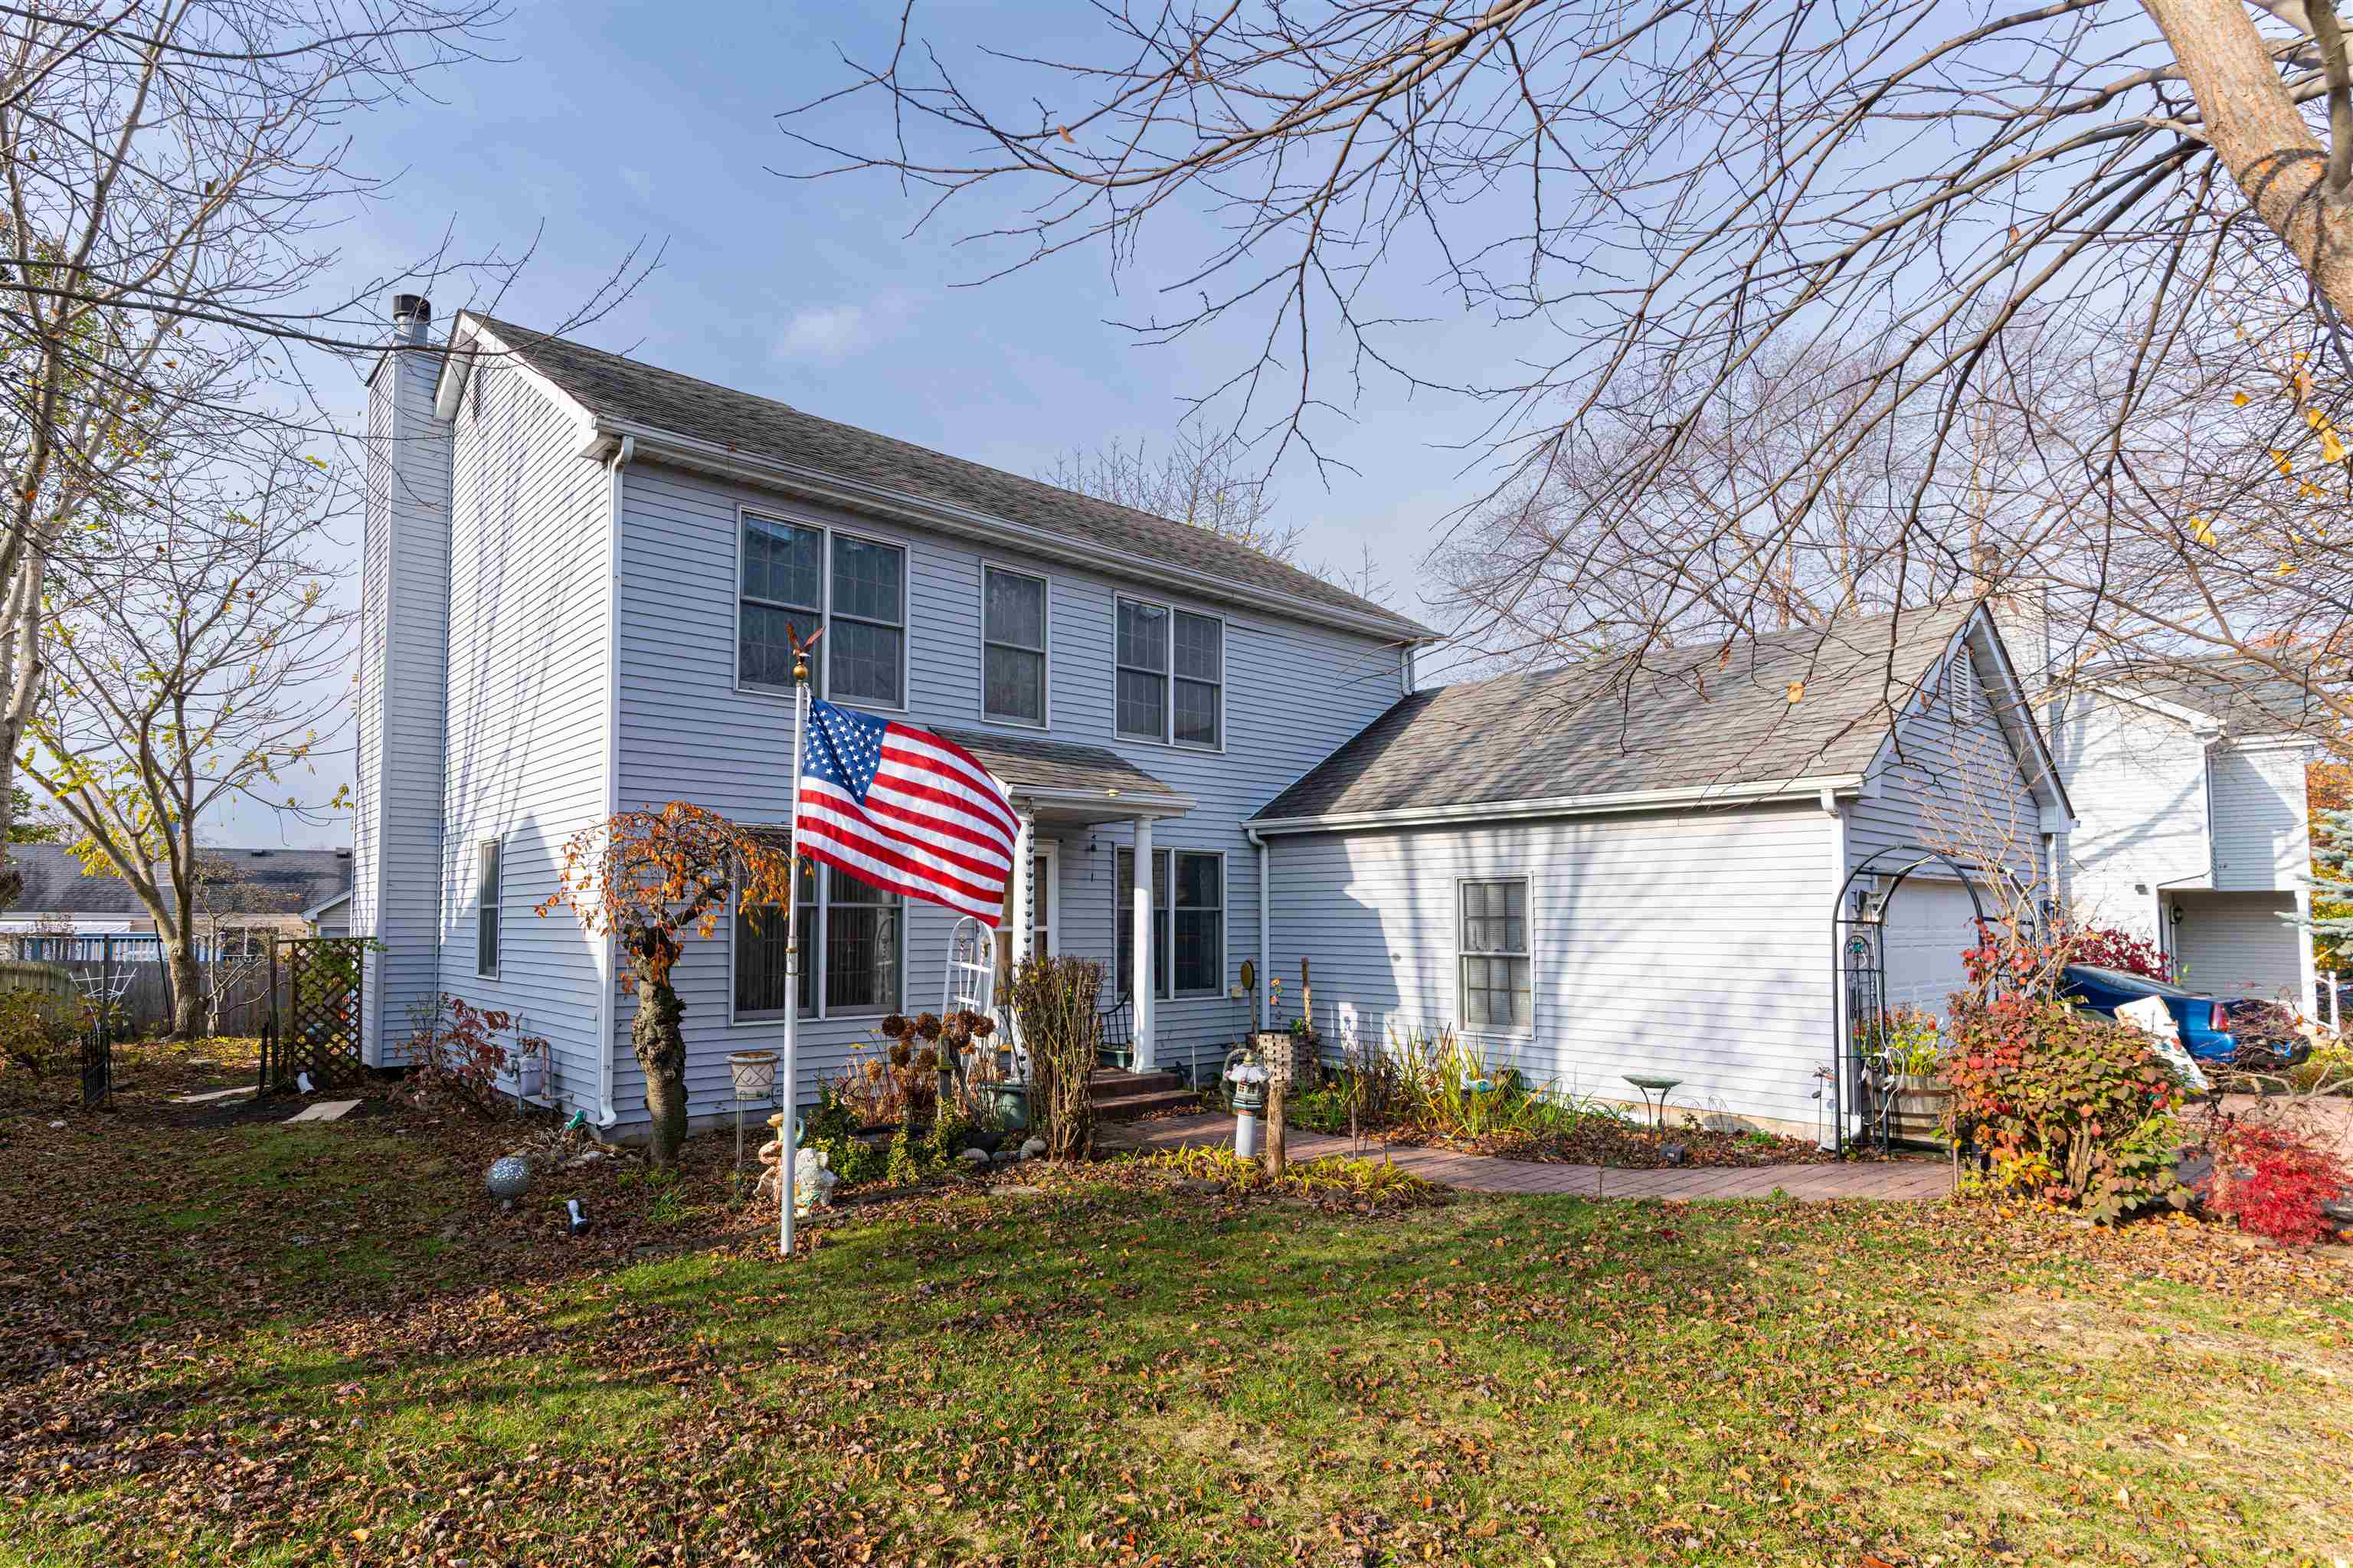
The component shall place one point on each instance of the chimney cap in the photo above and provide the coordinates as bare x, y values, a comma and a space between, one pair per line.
411, 307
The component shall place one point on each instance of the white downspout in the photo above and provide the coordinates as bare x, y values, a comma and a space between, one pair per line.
1265, 922
1838, 1022
607, 980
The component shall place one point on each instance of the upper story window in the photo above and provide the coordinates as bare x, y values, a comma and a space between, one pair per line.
797, 578
1013, 646
1171, 674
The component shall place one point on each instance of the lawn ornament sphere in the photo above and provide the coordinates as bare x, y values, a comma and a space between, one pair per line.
509, 1178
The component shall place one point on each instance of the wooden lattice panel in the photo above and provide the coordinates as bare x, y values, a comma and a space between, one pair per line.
319, 1026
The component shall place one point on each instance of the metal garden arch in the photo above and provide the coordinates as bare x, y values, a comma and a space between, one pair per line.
1859, 953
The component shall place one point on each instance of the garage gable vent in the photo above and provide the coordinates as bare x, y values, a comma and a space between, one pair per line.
1961, 687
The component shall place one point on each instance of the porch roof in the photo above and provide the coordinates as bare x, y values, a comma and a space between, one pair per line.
1062, 773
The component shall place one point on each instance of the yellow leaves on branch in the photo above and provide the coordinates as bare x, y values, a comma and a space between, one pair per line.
2202, 531
648, 877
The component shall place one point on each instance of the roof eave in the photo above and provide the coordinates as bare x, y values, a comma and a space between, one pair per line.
816, 484
1125, 802
1745, 793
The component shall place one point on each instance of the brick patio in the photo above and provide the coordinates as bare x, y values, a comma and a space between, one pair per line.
1893, 1179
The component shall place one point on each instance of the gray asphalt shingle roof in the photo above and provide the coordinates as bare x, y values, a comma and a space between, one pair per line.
1694, 716
260, 882
1021, 761
623, 388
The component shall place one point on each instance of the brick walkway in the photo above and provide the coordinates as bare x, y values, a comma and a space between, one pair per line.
1898, 1178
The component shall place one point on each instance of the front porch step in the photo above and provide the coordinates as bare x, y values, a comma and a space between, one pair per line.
1122, 1096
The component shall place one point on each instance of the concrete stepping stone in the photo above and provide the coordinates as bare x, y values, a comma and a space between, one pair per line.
211, 1096
325, 1110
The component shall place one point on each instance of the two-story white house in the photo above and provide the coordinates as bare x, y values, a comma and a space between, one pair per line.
579, 572
2192, 830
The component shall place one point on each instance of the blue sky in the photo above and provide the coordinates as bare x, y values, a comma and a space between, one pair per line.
612, 125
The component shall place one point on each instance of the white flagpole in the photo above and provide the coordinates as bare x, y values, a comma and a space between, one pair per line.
788, 1135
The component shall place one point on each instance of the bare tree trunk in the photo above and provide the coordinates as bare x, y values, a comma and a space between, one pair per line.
2254, 126
20, 684
187, 988
1278, 1157
660, 1046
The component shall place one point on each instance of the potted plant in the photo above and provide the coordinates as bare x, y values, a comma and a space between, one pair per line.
1913, 1052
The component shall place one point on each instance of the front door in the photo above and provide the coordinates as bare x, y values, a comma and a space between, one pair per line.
1043, 864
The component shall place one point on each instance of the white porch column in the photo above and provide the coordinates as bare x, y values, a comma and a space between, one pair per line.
2310, 1006
1140, 965
1025, 891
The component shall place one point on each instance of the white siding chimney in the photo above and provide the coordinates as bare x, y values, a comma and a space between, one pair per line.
401, 704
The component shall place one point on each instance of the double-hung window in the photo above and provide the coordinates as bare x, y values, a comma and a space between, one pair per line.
850, 950
1170, 674
796, 577
488, 880
1498, 990
1189, 922
850, 941
1013, 646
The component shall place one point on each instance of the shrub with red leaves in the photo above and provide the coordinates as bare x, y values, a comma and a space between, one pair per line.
2109, 948
2273, 1184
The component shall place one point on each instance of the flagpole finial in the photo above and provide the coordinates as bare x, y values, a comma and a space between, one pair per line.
800, 667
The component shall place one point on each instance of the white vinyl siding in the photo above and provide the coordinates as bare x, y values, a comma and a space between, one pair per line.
2236, 945
530, 573
1694, 946
2260, 836
399, 703
1952, 779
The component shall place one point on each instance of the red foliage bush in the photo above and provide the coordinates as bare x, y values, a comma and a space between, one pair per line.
2273, 1184
456, 1057
2110, 948
2070, 1105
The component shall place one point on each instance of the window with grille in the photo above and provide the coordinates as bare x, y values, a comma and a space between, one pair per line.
1013, 646
1189, 922
851, 941
796, 578
1170, 675
1497, 980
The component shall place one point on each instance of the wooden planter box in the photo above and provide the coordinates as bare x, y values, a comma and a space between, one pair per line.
1915, 1115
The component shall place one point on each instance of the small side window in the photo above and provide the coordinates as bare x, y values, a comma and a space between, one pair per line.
487, 882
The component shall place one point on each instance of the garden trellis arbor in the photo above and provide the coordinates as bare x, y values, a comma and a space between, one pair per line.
1859, 952
314, 1010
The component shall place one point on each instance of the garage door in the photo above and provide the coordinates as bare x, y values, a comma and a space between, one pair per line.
2235, 944
1930, 926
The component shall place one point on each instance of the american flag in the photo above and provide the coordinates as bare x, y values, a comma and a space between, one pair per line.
905, 810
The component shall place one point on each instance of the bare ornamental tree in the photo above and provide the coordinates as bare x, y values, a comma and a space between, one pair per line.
1911, 299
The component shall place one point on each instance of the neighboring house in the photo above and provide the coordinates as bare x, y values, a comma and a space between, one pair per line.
1589, 879
578, 574
254, 889
2190, 780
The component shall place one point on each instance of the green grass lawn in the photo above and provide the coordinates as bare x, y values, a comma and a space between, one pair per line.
1109, 1367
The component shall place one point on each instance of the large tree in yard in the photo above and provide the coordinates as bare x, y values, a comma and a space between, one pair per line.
1795, 306
192, 667
648, 879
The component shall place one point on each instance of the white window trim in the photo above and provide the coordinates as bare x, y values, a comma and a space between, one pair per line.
497, 912
1168, 735
1167, 973
1046, 654
1462, 1010
828, 532
813, 962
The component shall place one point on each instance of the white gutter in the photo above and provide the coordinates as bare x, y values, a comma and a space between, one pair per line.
607, 981
1265, 920
1562, 806
923, 512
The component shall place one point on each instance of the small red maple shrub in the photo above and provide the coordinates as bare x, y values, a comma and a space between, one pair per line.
2072, 1108
2273, 1184
2110, 948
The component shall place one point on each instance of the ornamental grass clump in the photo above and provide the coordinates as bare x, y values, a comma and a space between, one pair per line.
2068, 1108
1054, 1003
